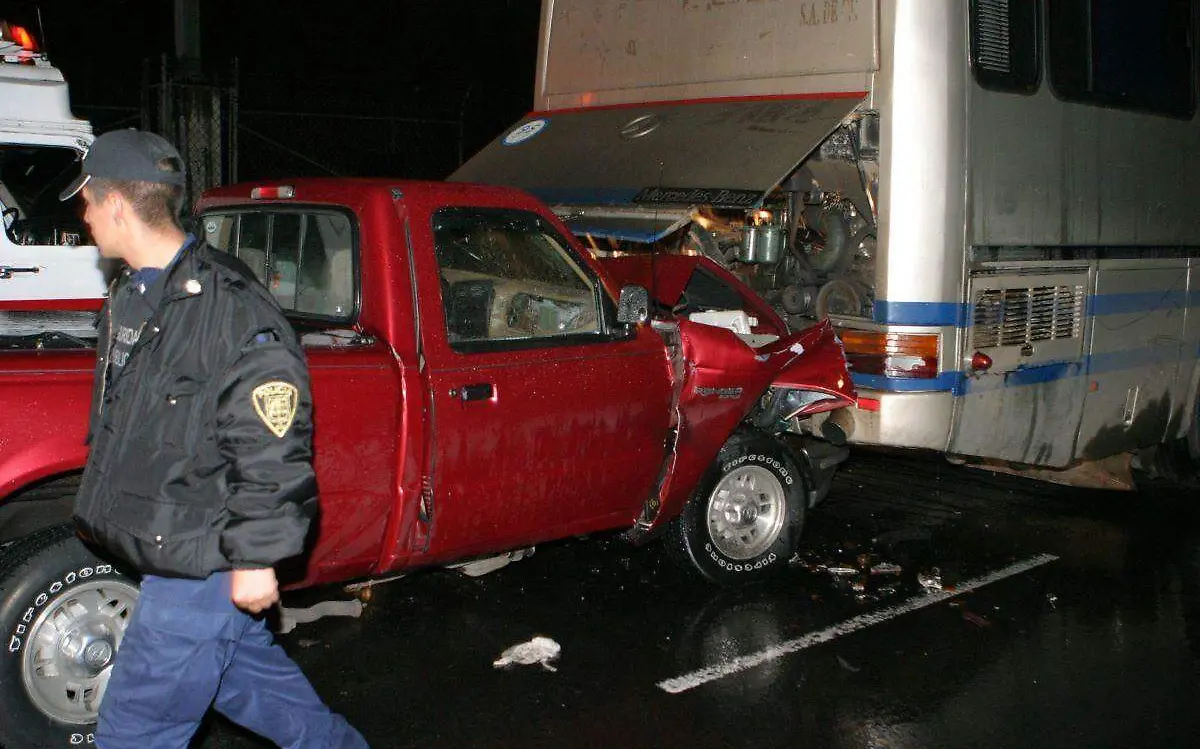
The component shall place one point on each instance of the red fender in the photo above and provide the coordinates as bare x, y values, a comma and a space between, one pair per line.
721, 379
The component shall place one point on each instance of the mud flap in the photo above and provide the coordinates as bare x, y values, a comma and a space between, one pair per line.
819, 461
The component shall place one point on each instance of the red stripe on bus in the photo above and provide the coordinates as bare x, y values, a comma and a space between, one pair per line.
712, 100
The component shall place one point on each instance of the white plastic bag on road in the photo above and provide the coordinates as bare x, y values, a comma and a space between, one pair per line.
538, 650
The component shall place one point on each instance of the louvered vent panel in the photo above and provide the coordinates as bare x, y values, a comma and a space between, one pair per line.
1015, 317
993, 36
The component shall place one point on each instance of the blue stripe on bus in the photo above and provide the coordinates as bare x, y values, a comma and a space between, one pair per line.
1140, 301
952, 381
1043, 373
959, 384
954, 314
1115, 361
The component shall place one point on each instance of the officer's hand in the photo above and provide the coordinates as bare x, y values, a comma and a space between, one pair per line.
255, 591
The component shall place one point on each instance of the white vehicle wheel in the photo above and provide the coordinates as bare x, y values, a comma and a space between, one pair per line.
63, 614
744, 520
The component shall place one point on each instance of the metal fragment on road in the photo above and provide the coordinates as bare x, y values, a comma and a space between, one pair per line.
843, 571
886, 568
539, 650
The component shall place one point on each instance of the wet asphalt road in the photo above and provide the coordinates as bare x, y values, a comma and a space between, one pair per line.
1098, 648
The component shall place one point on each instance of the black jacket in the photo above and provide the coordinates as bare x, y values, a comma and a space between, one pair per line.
201, 456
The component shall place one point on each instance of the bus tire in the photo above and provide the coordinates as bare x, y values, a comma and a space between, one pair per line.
744, 520
63, 612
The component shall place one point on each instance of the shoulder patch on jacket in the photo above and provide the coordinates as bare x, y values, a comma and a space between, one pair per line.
275, 403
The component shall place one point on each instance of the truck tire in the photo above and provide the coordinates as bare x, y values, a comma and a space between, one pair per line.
745, 518
63, 612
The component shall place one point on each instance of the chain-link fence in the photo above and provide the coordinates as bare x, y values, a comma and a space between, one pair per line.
283, 143
237, 132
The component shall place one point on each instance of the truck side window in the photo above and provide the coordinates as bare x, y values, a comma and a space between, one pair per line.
507, 275
304, 257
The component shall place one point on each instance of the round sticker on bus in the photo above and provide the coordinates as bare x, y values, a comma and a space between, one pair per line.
525, 132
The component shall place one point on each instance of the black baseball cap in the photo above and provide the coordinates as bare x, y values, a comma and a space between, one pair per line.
128, 156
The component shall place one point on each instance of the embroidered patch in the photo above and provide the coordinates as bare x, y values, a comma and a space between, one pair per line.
276, 404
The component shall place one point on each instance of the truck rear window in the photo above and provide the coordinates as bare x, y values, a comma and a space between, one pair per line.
305, 257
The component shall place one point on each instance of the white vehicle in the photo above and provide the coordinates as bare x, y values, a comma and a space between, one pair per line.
44, 251
988, 197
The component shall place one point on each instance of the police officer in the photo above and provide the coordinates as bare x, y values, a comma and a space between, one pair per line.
200, 471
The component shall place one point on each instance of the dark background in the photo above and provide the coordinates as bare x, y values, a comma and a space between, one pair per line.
400, 88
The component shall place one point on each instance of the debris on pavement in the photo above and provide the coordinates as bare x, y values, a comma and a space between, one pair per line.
975, 619
931, 581
846, 665
886, 568
289, 618
540, 650
843, 571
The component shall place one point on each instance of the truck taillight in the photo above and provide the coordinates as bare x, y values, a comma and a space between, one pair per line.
905, 355
279, 192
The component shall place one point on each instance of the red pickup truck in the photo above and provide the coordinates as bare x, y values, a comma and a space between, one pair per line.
482, 384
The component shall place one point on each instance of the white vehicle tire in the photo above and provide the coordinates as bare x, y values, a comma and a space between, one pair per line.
63, 612
744, 520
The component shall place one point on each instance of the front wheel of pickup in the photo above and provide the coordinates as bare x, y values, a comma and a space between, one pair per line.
744, 520
63, 613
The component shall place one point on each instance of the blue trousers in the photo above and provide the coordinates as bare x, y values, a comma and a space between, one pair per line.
188, 648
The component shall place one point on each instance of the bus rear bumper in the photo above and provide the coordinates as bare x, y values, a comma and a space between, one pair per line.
915, 420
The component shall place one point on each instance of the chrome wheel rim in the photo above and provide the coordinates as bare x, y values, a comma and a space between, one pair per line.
745, 512
71, 647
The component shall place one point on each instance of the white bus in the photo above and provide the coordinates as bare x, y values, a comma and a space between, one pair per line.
989, 197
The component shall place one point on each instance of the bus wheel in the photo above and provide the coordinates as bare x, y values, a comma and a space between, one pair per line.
745, 517
63, 613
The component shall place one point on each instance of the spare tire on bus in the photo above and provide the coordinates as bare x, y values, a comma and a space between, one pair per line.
744, 520
63, 613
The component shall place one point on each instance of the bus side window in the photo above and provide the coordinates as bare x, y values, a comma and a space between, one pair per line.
1100, 52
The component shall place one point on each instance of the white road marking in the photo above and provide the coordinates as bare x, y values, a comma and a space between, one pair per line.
703, 676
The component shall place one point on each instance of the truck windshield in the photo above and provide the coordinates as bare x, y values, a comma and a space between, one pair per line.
30, 179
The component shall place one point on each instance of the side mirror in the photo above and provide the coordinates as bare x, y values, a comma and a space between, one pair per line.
633, 308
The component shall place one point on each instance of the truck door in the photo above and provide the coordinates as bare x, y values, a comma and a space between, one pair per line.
548, 419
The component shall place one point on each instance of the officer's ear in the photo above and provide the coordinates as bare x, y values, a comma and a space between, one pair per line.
117, 207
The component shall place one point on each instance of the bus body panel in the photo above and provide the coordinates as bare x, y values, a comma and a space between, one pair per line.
1048, 230
603, 52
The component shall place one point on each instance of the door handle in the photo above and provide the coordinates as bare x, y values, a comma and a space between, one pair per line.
479, 392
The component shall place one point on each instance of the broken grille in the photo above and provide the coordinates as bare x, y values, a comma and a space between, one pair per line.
993, 48
1015, 317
